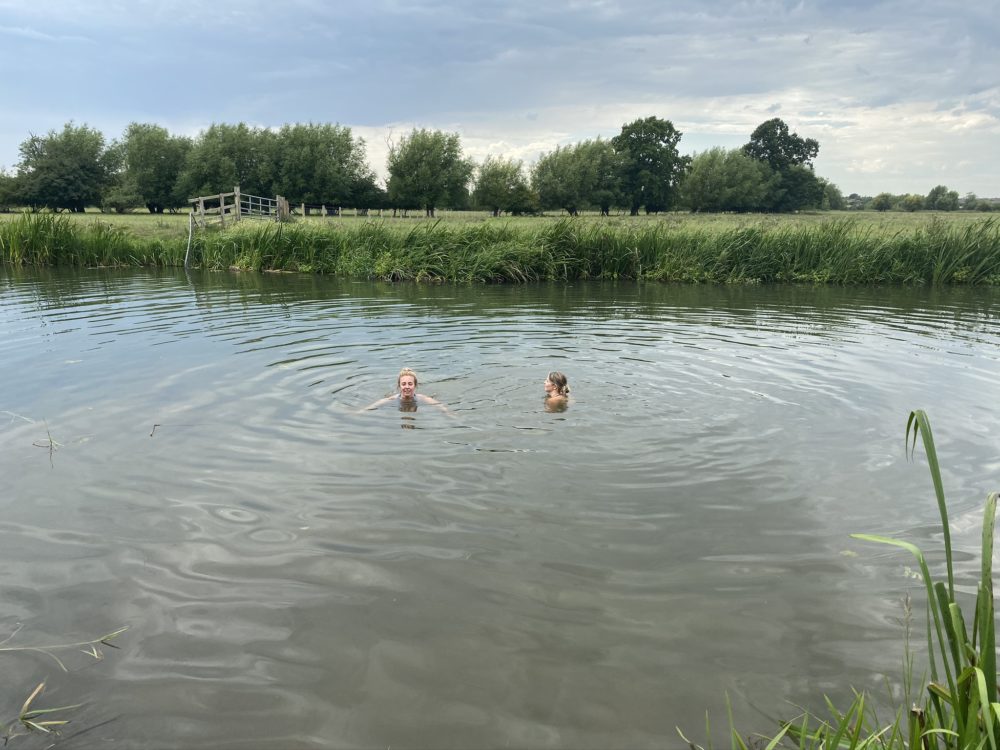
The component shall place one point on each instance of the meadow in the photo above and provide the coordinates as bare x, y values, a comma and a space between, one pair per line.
472, 247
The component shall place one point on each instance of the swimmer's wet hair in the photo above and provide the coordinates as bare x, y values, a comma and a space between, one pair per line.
559, 381
406, 371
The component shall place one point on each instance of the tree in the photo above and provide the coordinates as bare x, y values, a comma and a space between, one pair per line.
319, 164
153, 160
8, 191
65, 170
578, 176
790, 157
557, 180
855, 202
833, 199
912, 202
882, 202
941, 198
725, 180
427, 170
796, 188
367, 194
601, 170
771, 142
228, 155
500, 185
120, 198
651, 167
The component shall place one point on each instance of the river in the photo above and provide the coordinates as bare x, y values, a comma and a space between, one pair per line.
185, 455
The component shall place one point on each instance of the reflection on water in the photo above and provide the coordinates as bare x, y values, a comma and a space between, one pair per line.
300, 575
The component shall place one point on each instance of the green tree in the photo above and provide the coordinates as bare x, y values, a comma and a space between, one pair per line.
651, 166
367, 194
578, 176
855, 202
790, 157
833, 199
557, 180
427, 170
773, 143
883, 202
153, 161
500, 185
941, 198
725, 180
796, 188
319, 164
601, 169
65, 170
969, 201
912, 202
228, 155
8, 191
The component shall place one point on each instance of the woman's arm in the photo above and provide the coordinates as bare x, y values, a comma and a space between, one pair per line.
433, 402
380, 402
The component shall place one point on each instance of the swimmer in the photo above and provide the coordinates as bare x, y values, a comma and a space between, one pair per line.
407, 397
556, 392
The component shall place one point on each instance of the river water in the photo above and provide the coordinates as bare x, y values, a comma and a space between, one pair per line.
184, 455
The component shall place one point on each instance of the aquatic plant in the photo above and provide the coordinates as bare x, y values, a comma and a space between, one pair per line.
48, 720
957, 709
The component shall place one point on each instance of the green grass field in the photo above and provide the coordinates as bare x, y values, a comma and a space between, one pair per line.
171, 226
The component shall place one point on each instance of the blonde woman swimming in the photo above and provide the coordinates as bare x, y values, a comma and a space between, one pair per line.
406, 395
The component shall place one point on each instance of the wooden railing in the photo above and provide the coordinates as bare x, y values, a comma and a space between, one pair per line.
235, 206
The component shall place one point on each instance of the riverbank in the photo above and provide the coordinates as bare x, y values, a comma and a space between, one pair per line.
837, 251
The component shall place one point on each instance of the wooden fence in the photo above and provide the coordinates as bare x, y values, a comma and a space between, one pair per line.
236, 206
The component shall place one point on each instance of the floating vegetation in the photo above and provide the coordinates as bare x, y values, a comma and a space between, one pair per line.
48, 720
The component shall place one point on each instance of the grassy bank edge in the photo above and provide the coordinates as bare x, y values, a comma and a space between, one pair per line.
838, 251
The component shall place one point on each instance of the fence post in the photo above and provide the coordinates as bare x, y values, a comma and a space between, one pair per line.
201, 210
238, 204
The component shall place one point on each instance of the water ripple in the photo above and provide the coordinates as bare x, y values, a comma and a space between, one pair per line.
186, 455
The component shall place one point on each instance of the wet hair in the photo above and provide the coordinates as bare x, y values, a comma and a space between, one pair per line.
559, 381
404, 372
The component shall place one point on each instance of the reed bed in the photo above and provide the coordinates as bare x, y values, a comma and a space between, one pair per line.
838, 251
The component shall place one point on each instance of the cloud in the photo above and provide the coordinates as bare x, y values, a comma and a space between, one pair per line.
35, 35
900, 92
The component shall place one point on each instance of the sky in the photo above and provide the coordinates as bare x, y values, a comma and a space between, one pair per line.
902, 96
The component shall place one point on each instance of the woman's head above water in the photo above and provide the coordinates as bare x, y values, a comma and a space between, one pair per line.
406, 381
556, 385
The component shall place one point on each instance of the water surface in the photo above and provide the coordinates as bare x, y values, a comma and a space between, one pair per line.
184, 455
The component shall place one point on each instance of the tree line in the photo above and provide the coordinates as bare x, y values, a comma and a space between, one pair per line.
638, 170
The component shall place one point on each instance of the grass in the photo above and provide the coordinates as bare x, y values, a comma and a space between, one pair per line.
957, 708
30, 719
171, 226
734, 250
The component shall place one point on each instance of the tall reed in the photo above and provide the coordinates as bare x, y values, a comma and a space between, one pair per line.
957, 709
842, 251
